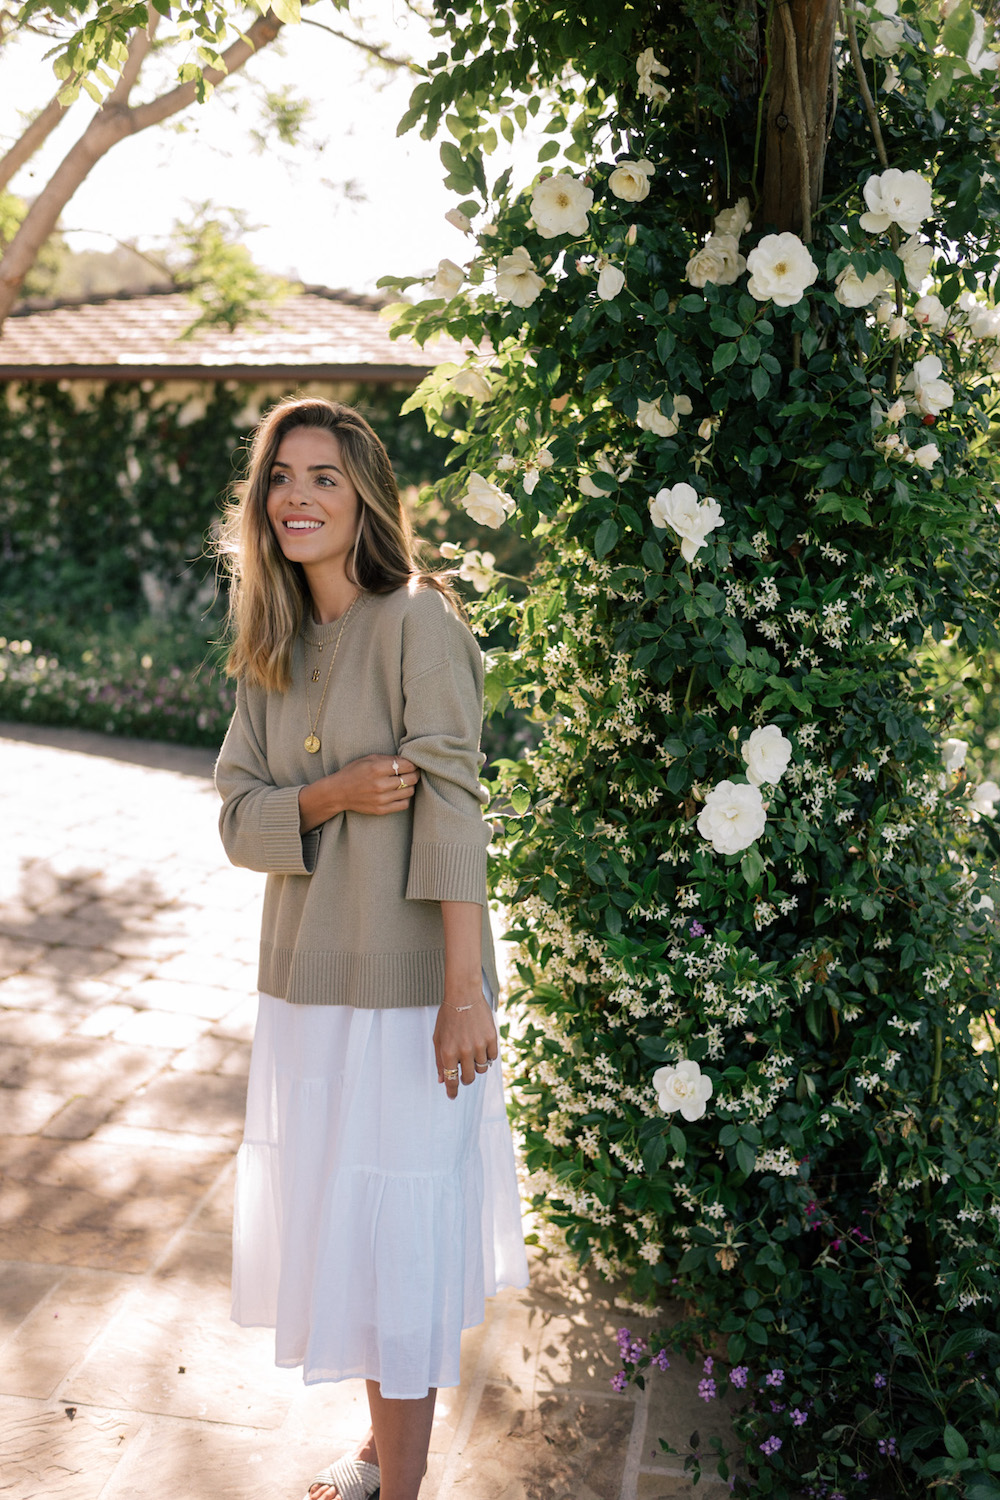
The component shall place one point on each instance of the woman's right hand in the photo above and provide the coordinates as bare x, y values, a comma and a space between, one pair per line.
370, 785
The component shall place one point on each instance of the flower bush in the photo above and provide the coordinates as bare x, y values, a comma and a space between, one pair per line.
743, 850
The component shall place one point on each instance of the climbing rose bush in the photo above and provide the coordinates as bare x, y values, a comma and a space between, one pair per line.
744, 842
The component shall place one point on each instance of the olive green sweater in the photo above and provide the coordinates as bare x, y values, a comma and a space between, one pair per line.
352, 911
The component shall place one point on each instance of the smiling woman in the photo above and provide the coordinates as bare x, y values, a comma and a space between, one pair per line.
350, 775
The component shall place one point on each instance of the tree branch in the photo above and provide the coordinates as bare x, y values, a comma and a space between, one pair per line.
355, 41
798, 118
138, 49
32, 139
110, 125
862, 77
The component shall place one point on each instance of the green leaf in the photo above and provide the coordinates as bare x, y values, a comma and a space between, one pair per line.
746, 1158
520, 799
678, 1140
724, 356
607, 536
760, 382
752, 866
548, 151
289, 11
955, 1443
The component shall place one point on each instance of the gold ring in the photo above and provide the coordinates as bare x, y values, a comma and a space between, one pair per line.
451, 1074
402, 784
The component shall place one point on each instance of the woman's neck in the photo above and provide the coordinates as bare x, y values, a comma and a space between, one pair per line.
331, 598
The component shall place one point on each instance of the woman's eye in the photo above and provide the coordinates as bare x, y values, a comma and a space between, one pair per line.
277, 479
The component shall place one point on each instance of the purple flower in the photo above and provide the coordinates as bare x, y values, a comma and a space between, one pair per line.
777, 1406
661, 1361
738, 1376
776, 1377
619, 1381
697, 930
880, 1381
887, 1447
798, 1417
706, 1390
770, 1445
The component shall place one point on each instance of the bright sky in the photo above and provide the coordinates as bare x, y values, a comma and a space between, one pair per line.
310, 228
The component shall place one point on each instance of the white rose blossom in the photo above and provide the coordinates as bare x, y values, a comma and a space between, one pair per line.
953, 753
683, 1087
931, 394
646, 66
478, 569
930, 313
896, 197
885, 36
853, 290
587, 485
461, 221
473, 383
448, 280
559, 205
899, 330
917, 259
610, 280
767, 753
485, 503
780, 269
733, 817
718, 261
679, 509
984, 321
980, 59
650, 416
926, 456
985, 798
517, 281
630, 180
735, 220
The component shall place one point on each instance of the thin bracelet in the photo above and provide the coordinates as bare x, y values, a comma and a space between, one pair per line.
460, 1008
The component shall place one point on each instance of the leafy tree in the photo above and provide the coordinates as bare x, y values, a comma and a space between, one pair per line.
738, 348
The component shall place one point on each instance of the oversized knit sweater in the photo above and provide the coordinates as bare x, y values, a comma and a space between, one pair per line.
352, 911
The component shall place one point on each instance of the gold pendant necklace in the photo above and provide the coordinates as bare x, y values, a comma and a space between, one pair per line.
312, 740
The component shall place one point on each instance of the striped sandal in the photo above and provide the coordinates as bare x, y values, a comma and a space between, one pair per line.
355, 1480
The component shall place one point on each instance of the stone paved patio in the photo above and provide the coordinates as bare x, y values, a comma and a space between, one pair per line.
127, 951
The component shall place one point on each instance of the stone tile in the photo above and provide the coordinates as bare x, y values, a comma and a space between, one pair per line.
79, 1118
181, 999
57, 1334
140, 1139
178, 1100
241, 1020
676, 1412
28, 1028
16, 956
171, 1355
23, 1285
46, 1455
674, 1486
72, 963
105, 1020
25, 992
25, 1111
81, 1065
215, 1215
157, 1028
214, 1054
198, 969
565, 1448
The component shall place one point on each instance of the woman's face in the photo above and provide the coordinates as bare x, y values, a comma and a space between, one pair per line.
312, 505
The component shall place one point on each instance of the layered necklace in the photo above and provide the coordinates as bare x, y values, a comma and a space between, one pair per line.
312, 740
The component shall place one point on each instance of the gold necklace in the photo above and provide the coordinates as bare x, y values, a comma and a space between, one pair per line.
312, 740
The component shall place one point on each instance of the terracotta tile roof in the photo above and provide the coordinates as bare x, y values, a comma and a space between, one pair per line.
317, 334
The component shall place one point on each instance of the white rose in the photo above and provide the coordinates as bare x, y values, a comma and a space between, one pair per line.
692, 519
780, 269
461, 221
485, 503
733, 817
896, 197
630, 180
478, 568
979, 58
610, 281
899, 329
646, 66
474, 384
953, 753
517, 280
544, 458
735, 220
683, 1087
559, 205
588, 486
897, 411
916, 260
853, 290
885, 36
450, 549
650, 416
767, 753
985, 797
930, 313
448, 280
718, 261
930, 393
984, 321
926, 456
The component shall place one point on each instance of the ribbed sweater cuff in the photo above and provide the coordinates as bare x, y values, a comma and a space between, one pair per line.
286, 850
447, 872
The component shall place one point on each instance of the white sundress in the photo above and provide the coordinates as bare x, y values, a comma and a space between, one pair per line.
374, 1215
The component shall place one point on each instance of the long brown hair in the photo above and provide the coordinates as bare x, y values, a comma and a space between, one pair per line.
269, 595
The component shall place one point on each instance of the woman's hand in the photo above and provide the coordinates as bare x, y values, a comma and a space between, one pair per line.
465, 1041
375, 784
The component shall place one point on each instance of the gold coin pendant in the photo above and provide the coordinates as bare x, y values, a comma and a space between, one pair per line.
311, 743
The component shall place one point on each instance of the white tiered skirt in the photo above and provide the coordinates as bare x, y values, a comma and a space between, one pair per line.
374, 1215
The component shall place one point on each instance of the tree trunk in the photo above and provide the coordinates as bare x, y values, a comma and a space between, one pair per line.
800, 38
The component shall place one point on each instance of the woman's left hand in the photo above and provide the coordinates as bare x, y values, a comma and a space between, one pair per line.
465, 1041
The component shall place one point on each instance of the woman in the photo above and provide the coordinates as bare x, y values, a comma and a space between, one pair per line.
376, 1201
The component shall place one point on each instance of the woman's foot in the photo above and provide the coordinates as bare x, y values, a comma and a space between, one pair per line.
366, 1454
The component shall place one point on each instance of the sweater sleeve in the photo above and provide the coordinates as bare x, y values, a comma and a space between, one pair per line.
442, 715
259, 821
